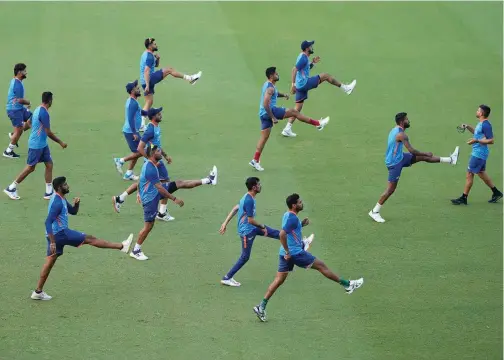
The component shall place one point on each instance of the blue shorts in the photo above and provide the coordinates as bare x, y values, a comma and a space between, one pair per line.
18, 117
133, 144
312, 83
266, 122
394, 172
36, 156
476, 165
304, 260
155, 78
150, 209
66, 237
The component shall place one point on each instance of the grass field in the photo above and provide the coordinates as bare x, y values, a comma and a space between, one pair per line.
433, 272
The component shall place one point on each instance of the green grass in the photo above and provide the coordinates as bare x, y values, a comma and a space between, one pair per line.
433, 272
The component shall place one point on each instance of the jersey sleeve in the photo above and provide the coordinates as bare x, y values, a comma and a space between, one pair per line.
54, 211
302, 62
148, 134
44, 119
132, 110
290, 225
152, 175
487, 130
248, 206
150, 61
18, 90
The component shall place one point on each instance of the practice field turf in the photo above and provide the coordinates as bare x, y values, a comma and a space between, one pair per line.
433, 272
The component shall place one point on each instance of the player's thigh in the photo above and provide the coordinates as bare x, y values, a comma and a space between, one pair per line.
266, 124
312, 83
132, 143
301, 96
285, 266
476, 165
36, 156
27, 114
303, 260
279, 112
45, 157
16, 118
171, 186
156, 77
149, 97
150, 210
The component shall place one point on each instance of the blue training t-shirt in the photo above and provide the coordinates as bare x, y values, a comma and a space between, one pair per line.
16, 91
246, 209
152, 135
482, 130
303, 70
132, 117
57, 214
394, 153
40, 122
149, 177
147, 59
265, 87
292, 226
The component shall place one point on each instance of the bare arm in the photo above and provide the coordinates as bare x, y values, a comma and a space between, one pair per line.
470, 128
267, 102
141, 149
54, 138
282, 95
147, 76
253, 221
165, 194
485, 141
293, 76
231, 215
402, 137
23, 101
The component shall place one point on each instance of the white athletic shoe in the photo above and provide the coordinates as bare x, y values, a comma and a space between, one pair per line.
12, 194
118, 165
354, 284
230, 282
260, 312
376, 217
195, 78
213, 176
40, 296
117, 204
307, 242
348, 89
130, 177
127, 244
164, 217
454, 156
256, 165
323, 123
139, 255
288, 133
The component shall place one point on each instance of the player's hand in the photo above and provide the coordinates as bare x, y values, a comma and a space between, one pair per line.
138, 199
305, 222
463, 126
316, 59
222, 229
275, 120
168, 159
157, 56
287, 96
76, 201
472, 141
287, 257
293, 89
28, 106
135, 137
52, 248
63, 145
179, 202
147, 90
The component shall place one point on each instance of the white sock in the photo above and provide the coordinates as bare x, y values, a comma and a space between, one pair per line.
123, 196
288, 126
187, 77
377, 208
129, 172
205, 181
10, 148
447, 160
121, 160
137, 247
13, 186
144, 120
162, 208
48, 188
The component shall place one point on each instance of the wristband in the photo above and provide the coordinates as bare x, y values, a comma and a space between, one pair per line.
174, 198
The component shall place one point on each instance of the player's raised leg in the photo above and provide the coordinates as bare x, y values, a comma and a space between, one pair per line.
348, 285
320, 124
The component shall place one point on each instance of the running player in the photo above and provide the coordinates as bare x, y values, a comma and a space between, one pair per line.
302, 82
396, 160
58, 234
292, 253
149, 77
38, 149
131, 127
269, 114
249, 228
17, 109
483, 136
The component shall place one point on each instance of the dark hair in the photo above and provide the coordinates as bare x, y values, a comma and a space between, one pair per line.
47, 97
270, 71
19, 67
58, 182
292, 200
400, 117
151, 150
485, 109
149, 41
251, 182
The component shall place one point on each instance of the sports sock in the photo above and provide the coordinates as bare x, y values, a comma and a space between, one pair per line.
121, 160
257, 156
314, 122
137, 247
464, 196
288, 126
344, 282
123, 196
48, 188
129, 172
205, 181
187, 77
377, 208
447, 160
10, 148
264, 302
13, 186
495, 190
162, 208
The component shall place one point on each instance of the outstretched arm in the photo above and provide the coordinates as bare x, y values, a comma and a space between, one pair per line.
230, 216
402, 137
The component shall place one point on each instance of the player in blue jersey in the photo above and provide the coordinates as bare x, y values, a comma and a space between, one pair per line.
302, 82
396, 160
131, 128
38, 148
59, 235
152, 137
483, 136
249, 228
149, 76
17, 109
292, 253
269, 114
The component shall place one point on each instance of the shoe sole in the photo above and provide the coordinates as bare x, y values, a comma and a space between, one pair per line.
114, 204
10, 157
7, 193
494, 201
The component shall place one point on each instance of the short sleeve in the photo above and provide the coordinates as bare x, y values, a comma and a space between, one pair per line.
148, 135
487, 130
248, 206
291, 224
54, 211
150, 61
18, 90
302, 62
45, 119
152, 175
